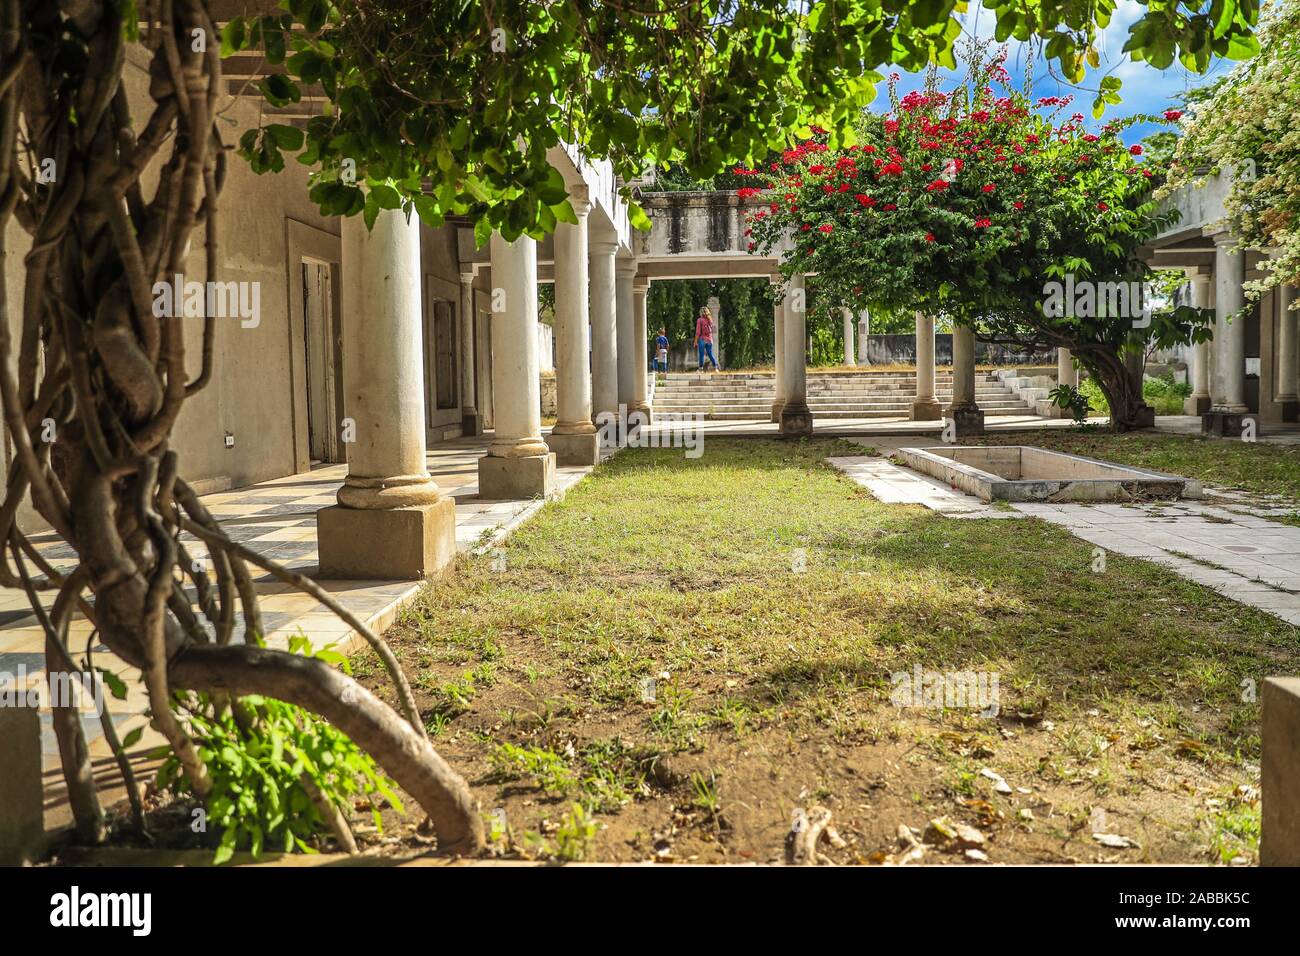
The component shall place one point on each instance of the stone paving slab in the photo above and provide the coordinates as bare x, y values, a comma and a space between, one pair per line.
891, 484
1241, 556
278, 519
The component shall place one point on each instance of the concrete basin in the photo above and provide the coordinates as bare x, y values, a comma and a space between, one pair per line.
1025, 473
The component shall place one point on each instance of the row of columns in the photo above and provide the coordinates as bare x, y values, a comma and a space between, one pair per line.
790, 406
1218, 372
391, 519
964, 411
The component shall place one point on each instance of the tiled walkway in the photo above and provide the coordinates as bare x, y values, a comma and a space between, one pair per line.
278, 519
1240, 554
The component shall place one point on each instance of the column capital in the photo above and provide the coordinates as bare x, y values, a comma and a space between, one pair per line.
640, 284
625, 268
580, 200
598, 245
1225, 238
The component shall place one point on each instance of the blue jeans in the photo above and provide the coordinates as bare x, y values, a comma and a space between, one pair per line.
706, 349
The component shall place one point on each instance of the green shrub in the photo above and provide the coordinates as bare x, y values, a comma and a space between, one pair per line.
257, 764
1162, 393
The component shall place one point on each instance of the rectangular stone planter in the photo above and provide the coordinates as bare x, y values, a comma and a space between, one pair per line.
1024, 473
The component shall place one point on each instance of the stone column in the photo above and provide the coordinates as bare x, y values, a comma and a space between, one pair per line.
518, 464
847, 316
573, 439
864, 337
471, 422
1066, 374
778, 352
624, 272
391, 520
796, 419
604, 330
640, 349
967, 416
1228, 400
926, 408
1198, 403
1287, 395
1279, 731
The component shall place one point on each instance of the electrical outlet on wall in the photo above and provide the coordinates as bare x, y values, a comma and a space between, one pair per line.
230, 439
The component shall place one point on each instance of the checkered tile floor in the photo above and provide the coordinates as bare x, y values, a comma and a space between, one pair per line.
278, 519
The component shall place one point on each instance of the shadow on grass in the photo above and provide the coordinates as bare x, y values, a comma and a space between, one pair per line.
758, 565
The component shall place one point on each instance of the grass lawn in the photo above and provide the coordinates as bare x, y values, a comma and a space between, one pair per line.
770, 600
1248, 466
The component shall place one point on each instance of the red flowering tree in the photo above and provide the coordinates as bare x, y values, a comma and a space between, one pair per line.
973, 203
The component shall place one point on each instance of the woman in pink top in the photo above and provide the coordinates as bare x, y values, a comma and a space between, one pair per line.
704, 337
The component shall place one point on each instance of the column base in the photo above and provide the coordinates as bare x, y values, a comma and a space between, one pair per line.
512, 479
471, 425
1279, 843
1223, 424
385, 544
776, 409
1290, 409
926, 410
1196, 405
642, 410
22, 813
967, 420
583, 449
796, 421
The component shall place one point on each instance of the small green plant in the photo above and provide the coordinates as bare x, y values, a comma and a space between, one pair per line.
547, 769
576, 835
1236, 832
437, 723
706, 794
1069, 397
672, 719
272, 766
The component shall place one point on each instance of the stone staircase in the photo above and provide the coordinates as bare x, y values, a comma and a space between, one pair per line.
739, 396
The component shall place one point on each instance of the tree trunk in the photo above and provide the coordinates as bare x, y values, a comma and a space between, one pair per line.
1116, 383
94, 356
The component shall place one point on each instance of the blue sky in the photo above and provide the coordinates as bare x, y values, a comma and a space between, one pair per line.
1146, 90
